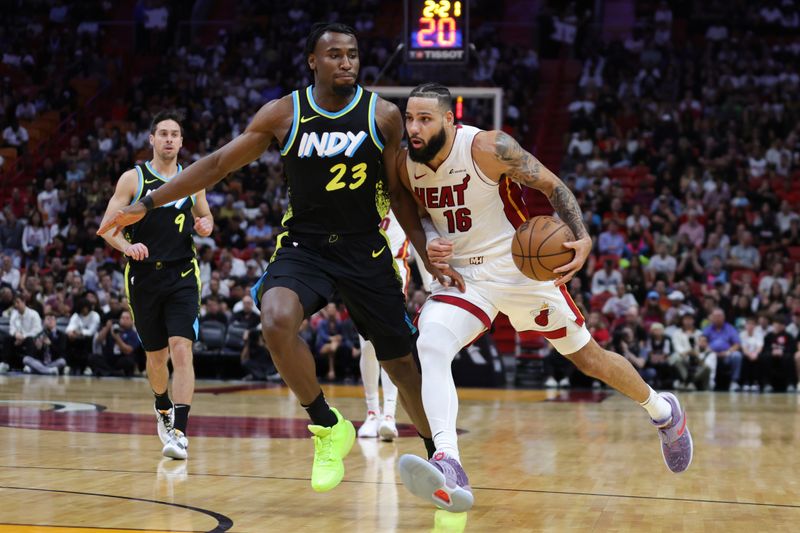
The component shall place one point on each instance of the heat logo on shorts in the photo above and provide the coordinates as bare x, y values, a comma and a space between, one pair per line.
542, 317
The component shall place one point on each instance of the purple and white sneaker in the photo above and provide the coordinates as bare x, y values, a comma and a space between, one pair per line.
676, 441
440, 480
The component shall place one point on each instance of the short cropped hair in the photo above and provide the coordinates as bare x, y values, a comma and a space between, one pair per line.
166, 114
318, 29
434, 90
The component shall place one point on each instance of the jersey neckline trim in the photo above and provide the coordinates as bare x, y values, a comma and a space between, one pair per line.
159, 176
327, 114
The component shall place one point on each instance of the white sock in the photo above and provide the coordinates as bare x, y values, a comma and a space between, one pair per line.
389, 395
657, 407
437, 347
370, 372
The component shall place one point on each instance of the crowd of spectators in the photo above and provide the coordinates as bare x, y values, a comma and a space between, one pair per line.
682, 152
52, 263
685, 153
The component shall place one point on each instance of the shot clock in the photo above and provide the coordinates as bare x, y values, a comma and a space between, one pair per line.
436, 31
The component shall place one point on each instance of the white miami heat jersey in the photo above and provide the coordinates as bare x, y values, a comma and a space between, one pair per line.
397, 237
478, 215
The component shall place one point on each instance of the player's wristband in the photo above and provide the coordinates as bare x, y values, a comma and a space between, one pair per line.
147, 202
429, 229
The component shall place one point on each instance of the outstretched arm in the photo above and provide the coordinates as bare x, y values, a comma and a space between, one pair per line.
403, 202
498, 155
273, 117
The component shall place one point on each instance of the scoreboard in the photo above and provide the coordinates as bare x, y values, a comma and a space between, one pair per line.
437, 31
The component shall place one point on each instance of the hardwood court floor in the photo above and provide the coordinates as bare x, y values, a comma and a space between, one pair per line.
80, 454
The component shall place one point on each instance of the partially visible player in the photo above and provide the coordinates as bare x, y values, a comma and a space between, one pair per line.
162, 279
468, 182
383, 423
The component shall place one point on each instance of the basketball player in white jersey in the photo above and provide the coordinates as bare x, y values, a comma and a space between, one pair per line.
468, 182
377, 423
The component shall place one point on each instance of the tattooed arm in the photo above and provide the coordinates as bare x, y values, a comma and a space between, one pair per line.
499, 156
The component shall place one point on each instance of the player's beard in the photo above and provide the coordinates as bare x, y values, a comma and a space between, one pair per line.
429, 149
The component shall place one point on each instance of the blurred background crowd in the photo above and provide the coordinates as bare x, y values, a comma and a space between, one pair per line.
675, 127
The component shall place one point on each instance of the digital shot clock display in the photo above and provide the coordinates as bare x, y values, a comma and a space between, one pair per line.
436, 31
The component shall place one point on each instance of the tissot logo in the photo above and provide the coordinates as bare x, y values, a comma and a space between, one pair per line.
439, 54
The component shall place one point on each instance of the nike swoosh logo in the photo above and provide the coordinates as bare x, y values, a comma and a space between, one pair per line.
151, 181
418, 177
379, 252
303, 120
184, 274
683, 426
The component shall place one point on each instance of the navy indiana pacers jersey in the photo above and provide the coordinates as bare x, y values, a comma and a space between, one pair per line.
334, 168
166, 230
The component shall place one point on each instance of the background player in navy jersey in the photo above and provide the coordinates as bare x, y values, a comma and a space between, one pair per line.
336, 140
162, 279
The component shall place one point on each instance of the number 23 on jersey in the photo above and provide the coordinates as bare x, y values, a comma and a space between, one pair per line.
355, 179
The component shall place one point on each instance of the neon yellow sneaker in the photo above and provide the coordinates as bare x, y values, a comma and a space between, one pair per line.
447, 522
331, 446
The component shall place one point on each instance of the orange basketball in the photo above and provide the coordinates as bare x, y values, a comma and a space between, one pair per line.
538, 248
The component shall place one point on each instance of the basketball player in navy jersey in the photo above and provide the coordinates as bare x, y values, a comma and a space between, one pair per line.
162, 279
336, 140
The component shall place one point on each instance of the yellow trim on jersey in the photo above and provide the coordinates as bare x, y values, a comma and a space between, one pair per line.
159, 176
278, 244
128, 289
327, 114
286, 216
199, 281
141, 184
373, 129
513, 203
295, 122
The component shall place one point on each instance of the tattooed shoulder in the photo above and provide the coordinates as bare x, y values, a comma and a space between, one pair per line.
521, 166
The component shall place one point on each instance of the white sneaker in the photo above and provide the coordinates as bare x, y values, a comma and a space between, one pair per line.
67, 370
4, 367
369, 429
165, 422
734, 387
88, 372
564, 383
26, 369
551, 383
388, 429
177, 445
791, 388
53, 371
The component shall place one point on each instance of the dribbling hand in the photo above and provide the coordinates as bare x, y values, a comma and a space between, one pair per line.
124, 217
447, 276
203, 226
137, 252
582, 247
